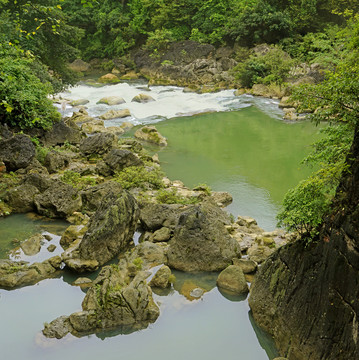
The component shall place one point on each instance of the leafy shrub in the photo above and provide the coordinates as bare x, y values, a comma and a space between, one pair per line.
76, 180
272, 67
165, 196
140, 177
158, 40
24, 101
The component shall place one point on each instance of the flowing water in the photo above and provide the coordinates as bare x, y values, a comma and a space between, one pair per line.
237, 144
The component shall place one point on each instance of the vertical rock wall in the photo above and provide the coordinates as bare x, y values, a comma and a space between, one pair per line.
308, 297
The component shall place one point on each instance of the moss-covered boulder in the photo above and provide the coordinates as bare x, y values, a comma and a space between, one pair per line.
150, 134
232, 279
114, 300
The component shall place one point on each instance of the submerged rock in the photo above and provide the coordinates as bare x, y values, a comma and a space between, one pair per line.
32, 245
14, 274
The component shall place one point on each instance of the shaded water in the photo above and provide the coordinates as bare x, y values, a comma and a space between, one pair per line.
244, 148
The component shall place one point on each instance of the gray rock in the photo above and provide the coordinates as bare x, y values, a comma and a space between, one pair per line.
232, 279
40, 181
118, 159
58, 328
82, 281
259, 253
62, 132
21, 198
111, 228
98, 144
72, 233
200, 241
59, 200
222, 198
55, 161
79, 102
16, 152
93, 196
150, 253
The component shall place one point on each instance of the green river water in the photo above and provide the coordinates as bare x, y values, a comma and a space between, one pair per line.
248, 153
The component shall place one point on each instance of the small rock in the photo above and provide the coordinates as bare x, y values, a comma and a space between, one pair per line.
109, 78
247, 266
82, 281
142, 98
79, 102
197, 293
115, 114
160, 235
150, 134
232, 279
111, 100
161, 278
32, 245
51, 248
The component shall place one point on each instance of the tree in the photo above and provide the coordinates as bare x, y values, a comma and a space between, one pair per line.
335, 101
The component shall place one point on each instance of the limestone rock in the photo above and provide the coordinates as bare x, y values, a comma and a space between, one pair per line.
32, 245
58, 328
110, 230
113, 300
80, 117
259, 253
79, 66
59, 200
109, 78
150, 253
143, 98
111, 100
93, 196
150, 134
222, 198
115, 114
62, 132
200, 241
92, 127
160, 235
232, 279
55, 161
79, 102
247, 266
21, 198
161, 278
16, 152
72, 233
98, 144
118, 159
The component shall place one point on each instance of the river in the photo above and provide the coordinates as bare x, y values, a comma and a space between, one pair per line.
235, 144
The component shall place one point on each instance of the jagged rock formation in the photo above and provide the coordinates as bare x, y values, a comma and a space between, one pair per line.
307, 297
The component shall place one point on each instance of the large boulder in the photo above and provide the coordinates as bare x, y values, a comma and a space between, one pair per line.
58, 201
110, 230
98, 144
62, 132
16, 152
115, 299
200, 241
150, 134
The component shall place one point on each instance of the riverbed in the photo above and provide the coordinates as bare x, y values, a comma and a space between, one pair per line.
235, 144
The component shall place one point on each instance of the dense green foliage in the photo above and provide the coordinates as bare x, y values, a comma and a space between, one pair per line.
335, 100
23, 97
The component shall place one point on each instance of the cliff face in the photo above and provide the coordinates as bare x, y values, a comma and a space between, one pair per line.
308, 297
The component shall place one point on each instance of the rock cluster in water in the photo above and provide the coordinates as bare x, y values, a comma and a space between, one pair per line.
87, 180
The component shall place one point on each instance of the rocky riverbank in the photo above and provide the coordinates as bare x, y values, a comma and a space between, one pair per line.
107, 189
